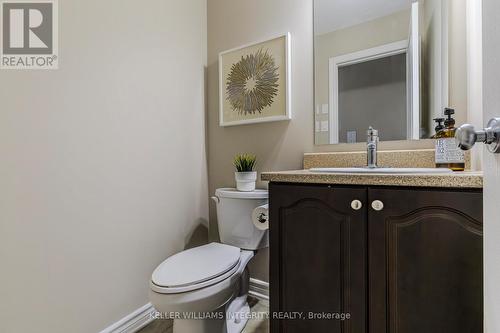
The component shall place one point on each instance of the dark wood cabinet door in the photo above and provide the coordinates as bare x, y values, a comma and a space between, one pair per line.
425, 261
318, 257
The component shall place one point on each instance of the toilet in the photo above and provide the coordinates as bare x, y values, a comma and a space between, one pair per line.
204, 289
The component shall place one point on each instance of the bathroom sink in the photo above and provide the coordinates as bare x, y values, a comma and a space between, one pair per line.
384, 170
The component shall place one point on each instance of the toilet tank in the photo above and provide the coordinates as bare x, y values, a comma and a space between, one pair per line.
234, 216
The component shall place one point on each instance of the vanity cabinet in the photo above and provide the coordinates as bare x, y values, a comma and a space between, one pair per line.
318, 256
425, 261
410, 263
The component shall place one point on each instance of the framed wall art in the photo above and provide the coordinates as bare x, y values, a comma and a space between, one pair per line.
254, 82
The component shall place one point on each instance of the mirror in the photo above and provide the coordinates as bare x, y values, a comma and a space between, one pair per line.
380, 63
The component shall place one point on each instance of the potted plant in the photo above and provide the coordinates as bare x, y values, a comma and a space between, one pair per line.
245, 175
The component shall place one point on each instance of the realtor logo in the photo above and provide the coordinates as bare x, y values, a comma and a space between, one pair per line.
29, 34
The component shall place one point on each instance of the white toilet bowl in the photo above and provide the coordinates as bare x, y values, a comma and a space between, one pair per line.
205, 303
204, 289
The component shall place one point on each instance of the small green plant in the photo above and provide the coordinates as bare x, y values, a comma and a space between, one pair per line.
244, 162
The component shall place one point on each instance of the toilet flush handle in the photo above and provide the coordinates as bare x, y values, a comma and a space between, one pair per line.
216, 199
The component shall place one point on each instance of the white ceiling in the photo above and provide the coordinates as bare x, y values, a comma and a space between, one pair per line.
331, 15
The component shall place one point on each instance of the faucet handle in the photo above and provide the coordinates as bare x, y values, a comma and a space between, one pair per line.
371, 132
372, 135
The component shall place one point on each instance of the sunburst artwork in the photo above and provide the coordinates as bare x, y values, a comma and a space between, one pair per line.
254, 82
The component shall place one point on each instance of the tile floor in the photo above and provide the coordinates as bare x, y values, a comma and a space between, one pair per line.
253, 326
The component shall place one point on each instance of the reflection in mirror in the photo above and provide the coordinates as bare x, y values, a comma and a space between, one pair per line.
380, 63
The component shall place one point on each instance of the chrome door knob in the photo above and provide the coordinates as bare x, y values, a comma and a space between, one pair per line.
356, 205
377, 205
467, 136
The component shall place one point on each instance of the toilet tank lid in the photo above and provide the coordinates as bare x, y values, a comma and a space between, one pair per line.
235, 194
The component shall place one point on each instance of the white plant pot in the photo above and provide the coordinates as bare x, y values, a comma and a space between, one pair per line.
245, 181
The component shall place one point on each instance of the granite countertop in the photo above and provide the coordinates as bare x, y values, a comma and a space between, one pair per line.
465, 179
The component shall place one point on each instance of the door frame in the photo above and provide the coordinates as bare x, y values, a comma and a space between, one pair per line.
382, 51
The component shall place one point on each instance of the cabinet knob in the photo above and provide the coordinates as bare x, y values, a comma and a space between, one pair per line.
356, 205
377, 205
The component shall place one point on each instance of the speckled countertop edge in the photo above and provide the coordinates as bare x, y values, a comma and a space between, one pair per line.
420, 158
466, 179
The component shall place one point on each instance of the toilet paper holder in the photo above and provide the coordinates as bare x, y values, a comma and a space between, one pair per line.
262, 217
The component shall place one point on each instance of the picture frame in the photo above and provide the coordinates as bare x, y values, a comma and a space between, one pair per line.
255, 82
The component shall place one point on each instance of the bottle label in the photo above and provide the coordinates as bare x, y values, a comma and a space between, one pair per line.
447, 151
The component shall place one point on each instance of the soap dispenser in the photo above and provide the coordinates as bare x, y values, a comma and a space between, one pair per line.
439, 126
448, 154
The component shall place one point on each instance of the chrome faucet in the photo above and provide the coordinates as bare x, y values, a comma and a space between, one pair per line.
371, 147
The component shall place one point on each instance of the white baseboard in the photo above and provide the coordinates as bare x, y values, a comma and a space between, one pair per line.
133, 322
141, 317
259, 289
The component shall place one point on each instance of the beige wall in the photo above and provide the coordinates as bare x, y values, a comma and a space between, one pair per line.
102, 163
278, 145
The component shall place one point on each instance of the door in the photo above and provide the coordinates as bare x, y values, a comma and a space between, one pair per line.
491, 165
425, 261
322, 234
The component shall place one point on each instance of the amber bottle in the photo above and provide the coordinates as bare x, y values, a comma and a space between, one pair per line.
448, 154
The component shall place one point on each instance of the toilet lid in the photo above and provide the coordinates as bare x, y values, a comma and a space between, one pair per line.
196, 265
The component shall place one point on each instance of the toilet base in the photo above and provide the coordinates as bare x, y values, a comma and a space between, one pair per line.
234, 320
237, 314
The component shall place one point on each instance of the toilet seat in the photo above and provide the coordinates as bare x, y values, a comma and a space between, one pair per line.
205, 299
196, 268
